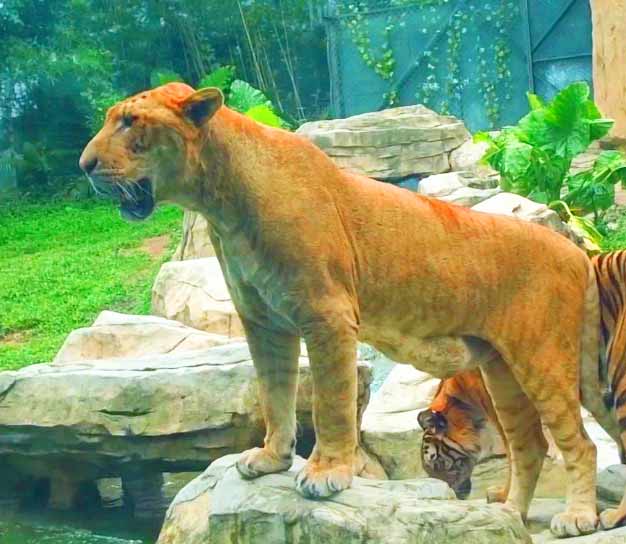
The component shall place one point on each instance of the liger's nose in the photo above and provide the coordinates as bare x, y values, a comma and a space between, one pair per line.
88, 164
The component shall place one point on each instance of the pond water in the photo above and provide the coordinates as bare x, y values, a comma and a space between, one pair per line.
40, 528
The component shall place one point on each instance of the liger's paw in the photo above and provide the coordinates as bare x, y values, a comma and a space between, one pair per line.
574, 522
496, 493
318, 480
258, 461
612, 517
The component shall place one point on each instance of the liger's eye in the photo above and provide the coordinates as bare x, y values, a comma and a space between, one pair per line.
128, 120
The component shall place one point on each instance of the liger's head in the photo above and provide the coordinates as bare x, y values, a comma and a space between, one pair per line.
142, 153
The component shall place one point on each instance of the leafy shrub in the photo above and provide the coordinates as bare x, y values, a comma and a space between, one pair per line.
534, 158
243, 97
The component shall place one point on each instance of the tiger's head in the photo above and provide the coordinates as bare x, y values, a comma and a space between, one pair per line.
149, 147
451, 444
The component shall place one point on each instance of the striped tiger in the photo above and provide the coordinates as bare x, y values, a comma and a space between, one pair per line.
455, 427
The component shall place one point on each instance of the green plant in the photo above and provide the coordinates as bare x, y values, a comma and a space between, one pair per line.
243, 97
535, 156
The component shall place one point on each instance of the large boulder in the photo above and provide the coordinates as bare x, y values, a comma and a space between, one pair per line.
114, 335
136, 418
220, 507
460, 188
390, 144
194, 292
196, 241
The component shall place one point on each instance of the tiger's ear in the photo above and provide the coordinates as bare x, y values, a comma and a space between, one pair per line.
424, 419
429, 420
200, 106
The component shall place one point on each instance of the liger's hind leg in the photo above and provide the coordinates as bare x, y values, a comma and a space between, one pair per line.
555, 393
521, 426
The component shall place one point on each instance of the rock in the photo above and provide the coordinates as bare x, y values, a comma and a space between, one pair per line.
222, 507
195, 242
390, 430
114, 335
194, 292
461, 188
614, 536
137, 417
389, 144
468, 196
440, 185
517, 206
612, 483
468, 157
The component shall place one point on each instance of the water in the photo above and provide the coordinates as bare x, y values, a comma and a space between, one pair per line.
39, 528
109, 524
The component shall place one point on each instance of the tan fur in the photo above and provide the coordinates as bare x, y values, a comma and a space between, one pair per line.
311, 251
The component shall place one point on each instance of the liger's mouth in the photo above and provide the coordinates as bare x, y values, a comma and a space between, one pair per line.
136, 198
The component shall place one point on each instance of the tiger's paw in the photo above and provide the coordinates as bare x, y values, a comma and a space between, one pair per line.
496, 493
258, 461
611, 518
319, 479
574, 522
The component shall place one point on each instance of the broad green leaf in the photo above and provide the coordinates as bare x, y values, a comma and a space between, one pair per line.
264, 114
599, 128
244, 97
220, 78
539, 196
564, 125
534, 101
592, 238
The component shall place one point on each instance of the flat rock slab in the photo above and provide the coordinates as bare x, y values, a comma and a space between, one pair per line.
220, 507
114, 335
389, 144
165, 413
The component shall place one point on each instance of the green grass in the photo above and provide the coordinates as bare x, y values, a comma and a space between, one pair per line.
61, 263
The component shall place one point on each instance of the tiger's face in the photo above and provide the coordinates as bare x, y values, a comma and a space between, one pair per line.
148, 146
451, 445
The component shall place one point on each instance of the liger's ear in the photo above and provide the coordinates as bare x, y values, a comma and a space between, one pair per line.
199, 107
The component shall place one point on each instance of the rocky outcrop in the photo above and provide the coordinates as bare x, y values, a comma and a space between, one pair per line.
390, 144
195, 242
194, 292
136, 418
114, 335
222, 507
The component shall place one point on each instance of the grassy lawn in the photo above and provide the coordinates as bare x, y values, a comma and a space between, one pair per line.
61, 263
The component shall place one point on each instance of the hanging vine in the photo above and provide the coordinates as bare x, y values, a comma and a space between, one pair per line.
442, 84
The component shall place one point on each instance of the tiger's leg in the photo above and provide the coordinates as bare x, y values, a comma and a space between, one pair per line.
522, 428
275, 359
331, 344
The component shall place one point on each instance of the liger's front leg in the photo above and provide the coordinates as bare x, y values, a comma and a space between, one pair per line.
275, 357
331, 344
